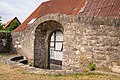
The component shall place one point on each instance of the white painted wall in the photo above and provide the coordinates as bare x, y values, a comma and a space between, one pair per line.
55, 49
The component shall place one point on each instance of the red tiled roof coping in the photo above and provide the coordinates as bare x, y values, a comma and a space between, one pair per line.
70, 7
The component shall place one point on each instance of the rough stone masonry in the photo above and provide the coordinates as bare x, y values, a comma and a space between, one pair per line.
86, 40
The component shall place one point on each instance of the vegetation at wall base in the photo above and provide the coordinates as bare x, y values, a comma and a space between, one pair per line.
91, 67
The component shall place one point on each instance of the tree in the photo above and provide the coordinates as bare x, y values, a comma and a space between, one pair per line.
0, 18
1, 24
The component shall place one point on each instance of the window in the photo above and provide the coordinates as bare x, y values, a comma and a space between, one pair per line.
56, 45
32, 20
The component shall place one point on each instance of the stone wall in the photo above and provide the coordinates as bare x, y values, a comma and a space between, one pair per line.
101, 41
86, 40
23, 43
5, 42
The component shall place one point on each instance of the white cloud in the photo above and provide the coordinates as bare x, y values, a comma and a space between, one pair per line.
17, 8
7, 10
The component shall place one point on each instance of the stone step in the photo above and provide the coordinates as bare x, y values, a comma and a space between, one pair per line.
17, 58
23, 61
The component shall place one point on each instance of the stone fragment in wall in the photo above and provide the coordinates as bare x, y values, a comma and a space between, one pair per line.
116, 69
16, 42
19, 46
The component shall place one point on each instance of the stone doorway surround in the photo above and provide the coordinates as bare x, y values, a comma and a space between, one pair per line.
43, 35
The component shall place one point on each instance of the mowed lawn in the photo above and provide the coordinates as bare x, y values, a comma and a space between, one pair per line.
8, 72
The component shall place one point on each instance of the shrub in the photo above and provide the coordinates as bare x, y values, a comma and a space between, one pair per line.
91, 67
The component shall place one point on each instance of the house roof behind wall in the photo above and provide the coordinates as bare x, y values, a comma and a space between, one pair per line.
9, 22
102, 8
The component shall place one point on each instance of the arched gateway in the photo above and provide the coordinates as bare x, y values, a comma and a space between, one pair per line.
48, 45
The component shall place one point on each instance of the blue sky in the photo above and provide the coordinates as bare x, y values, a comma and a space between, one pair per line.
17, 8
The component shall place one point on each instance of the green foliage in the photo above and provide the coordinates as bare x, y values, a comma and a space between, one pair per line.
0, 18
9, 28
91, 67
58, 75
12, 26
1, 24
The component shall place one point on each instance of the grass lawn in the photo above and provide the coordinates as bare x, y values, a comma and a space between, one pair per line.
8, 72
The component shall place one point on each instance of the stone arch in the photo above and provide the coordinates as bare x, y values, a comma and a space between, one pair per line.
42, 42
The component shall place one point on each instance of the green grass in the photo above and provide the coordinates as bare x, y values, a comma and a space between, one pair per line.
8, 72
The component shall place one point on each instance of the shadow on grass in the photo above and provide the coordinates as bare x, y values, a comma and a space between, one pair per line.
77, 74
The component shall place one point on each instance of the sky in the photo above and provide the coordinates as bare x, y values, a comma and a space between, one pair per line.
17, 8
